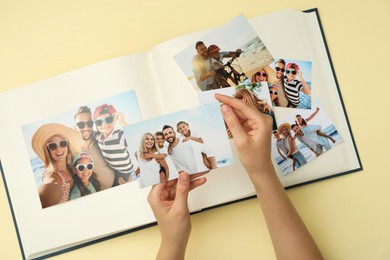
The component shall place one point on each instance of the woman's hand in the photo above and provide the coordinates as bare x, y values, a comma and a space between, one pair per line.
252, 136
168, 201
251, 131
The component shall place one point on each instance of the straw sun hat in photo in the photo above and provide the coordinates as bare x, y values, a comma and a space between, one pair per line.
47, 131
282, 126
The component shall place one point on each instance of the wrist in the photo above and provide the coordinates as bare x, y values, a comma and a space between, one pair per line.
264, 168
173, 248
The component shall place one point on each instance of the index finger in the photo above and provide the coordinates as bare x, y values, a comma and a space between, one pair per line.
238, 105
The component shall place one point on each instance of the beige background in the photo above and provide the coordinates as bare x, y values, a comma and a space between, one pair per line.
348, 216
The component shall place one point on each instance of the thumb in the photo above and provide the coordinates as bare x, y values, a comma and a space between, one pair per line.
182, 189
232, 121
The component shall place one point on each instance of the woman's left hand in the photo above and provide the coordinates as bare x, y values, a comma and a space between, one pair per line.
168, 201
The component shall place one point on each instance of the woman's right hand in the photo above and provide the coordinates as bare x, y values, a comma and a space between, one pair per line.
252, 136
251, 131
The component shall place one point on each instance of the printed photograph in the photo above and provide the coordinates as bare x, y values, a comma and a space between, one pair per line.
228, 56
301, 138
257, 95
82, 151
193, 141
289, 82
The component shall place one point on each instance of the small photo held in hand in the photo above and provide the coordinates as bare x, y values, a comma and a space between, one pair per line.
256, 95
301, 138
193, 141
290, 81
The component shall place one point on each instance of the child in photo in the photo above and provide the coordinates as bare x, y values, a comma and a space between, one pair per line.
187, 134
273, 93
292, 148
218, 65
112, 142
293, 86
85, 181
162, 147
282, 148
309, 129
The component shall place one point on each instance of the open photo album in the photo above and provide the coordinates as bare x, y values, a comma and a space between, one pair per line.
87, 140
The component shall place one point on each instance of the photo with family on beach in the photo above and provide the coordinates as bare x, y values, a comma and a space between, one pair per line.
227, 57
82, 151
303, 137
192, 141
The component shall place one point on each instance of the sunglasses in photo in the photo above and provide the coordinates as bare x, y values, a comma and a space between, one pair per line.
273, 92
279, 69
291, 71
261, 74
53, 146
82, 167
108, 120
81, 125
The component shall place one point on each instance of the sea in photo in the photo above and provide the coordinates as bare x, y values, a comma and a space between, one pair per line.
286, 165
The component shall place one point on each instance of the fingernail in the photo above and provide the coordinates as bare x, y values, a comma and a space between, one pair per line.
226, 110
184, 178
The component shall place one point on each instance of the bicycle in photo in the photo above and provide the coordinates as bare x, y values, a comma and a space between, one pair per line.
232, 74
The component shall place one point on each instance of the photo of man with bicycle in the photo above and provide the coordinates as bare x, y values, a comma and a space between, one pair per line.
222, 73
227, 57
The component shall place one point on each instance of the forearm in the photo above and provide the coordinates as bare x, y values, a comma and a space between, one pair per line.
218, 65
284, 158
175, 233
196, 139
289, 235
305, 88
312, 115
204, 76
155, 156
172, 249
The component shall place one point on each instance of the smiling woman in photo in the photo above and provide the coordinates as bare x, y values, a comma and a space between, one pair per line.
150, 162
260, 76
260, 104
55, 145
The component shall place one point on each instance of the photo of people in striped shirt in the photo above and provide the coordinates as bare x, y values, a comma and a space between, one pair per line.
112, 142
290, 81
82, 151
